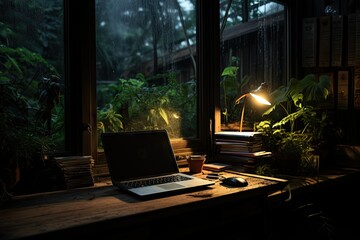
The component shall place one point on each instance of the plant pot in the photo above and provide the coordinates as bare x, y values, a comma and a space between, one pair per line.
10, 176
287, 163
196, 163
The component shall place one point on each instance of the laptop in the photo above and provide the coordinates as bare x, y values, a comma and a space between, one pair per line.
143, 163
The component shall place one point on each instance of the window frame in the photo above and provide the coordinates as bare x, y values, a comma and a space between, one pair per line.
80, 99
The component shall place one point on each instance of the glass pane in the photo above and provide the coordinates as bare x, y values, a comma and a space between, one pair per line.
146, 69
31, 76
253, 51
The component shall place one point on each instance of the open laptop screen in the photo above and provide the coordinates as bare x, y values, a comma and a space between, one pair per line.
132, 155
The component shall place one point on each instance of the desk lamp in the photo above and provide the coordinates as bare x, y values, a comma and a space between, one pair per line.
255, 94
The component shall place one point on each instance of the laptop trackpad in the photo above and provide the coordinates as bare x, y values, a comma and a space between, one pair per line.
170, 186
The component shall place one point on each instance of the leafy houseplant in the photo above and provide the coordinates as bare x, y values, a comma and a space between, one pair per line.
29, 90
294, 125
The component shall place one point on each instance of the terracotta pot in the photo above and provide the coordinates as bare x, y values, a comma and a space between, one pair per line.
196, 163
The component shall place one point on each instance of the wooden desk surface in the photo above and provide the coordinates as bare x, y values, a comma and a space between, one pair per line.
67, 213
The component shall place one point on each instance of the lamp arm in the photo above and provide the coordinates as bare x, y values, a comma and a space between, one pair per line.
242, 113
237, 101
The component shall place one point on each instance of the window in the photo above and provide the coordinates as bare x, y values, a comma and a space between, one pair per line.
253, 48
149, 73
146, 67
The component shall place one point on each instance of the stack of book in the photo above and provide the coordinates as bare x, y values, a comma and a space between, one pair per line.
241, 148
76, 170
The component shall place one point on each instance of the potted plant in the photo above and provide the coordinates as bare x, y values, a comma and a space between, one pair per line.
294, 125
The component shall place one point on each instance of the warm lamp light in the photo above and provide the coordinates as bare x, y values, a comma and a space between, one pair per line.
255, 95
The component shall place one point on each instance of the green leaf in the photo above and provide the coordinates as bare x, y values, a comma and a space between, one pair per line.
314, 90
230, 71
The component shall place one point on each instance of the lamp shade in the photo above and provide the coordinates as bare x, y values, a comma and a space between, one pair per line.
260, 99
260, 94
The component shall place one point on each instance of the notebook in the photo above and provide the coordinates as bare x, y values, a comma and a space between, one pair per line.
142, 163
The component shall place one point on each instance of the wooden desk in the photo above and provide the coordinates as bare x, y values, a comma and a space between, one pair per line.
105, 211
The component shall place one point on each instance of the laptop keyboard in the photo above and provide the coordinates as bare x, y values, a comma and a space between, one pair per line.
155, 181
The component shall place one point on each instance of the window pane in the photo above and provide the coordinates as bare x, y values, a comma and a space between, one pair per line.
253, 51
146, 69
31, 75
